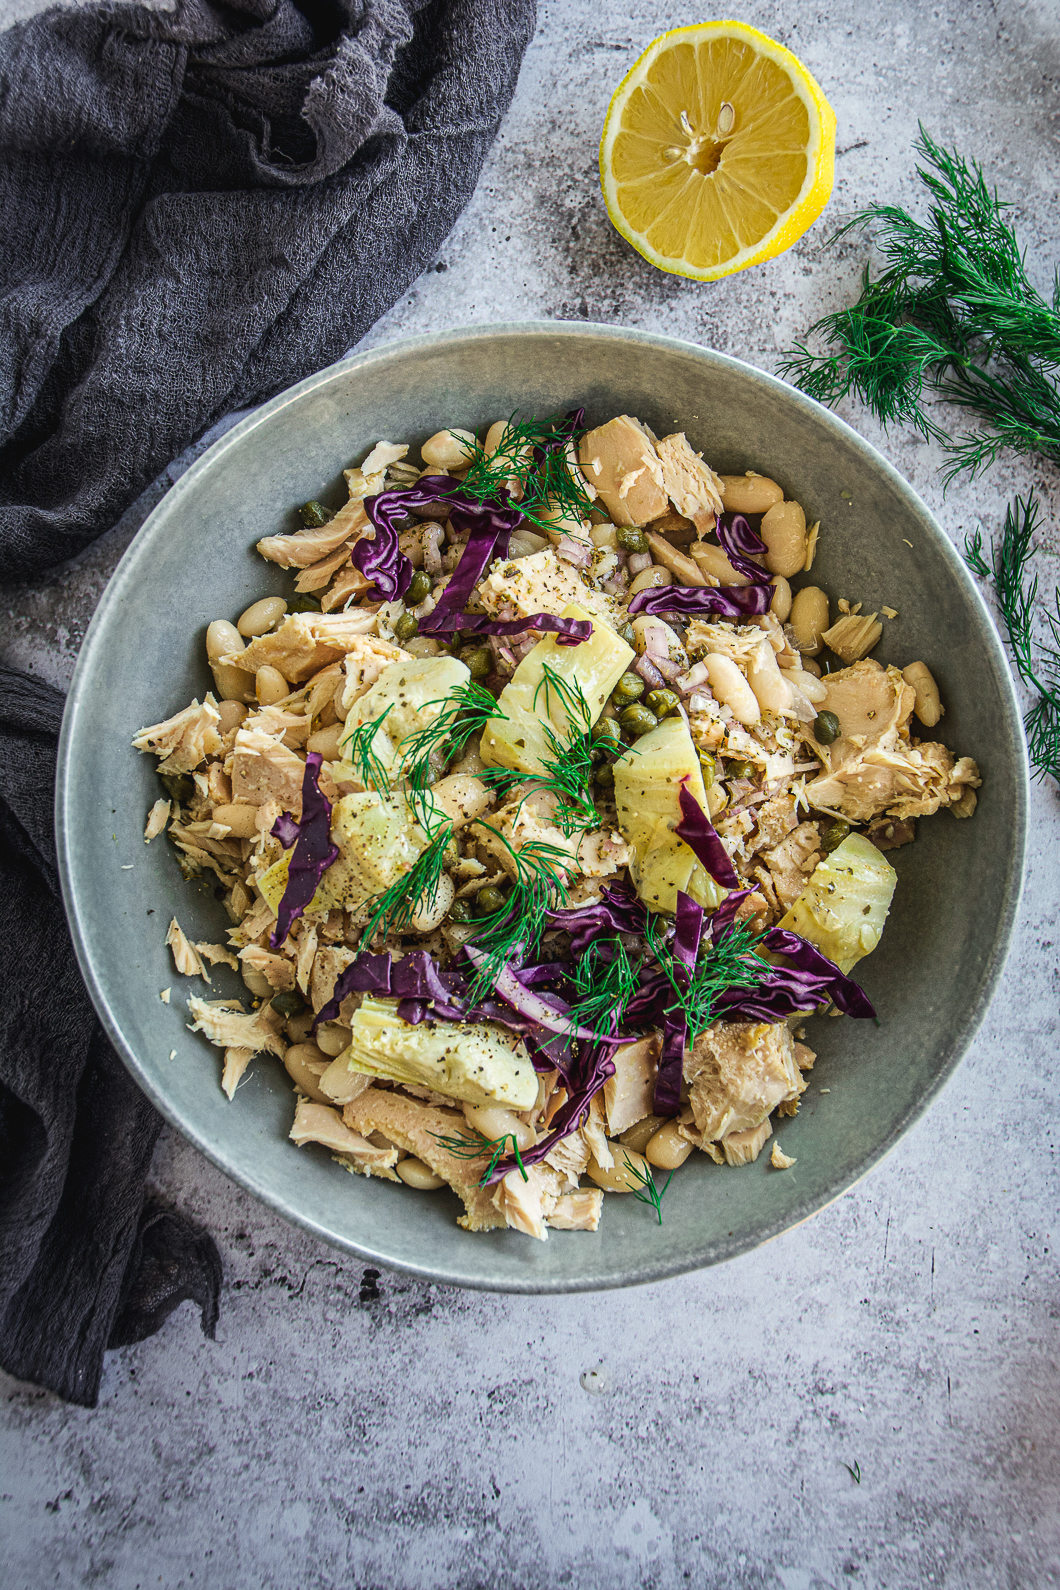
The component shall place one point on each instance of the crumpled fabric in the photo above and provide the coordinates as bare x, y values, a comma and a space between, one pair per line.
86, 1260
200, 206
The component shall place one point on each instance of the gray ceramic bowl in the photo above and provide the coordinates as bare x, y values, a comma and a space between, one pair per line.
193, 561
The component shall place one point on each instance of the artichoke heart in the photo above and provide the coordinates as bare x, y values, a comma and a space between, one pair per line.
471, 1062
518, 740
378, 843
648, 782
845, 903
411, 693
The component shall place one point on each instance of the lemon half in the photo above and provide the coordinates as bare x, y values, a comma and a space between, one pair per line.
718, 151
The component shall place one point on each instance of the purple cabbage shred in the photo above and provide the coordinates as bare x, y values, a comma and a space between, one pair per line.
313, 851
617, 910
701, 837
725, 601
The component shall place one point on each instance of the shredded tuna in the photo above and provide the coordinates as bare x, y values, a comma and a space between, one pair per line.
225, 1024
185, 958
184, 740
157, 818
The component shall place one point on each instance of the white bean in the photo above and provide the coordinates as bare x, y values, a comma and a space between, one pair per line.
667, 1148
462, 797
305, 1064
256, 981
815, 690
326, 741
223, 638
714, 563
270, 686
495, 1122
749, 493
809, 618
239, 817
783, 529
448, 449
928, 706
639, 561
650, 580
781, 603
767, 681
231, 713
332, 1038
261, 616
414, 1173
620, 1178
732, 689
429, 913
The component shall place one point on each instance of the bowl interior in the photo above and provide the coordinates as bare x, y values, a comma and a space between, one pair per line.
193, 561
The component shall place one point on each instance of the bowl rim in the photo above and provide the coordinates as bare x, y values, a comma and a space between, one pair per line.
644, 1273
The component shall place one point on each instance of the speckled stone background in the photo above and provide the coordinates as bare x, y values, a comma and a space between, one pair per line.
354, 1428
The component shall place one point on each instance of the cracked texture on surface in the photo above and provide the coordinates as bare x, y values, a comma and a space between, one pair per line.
350, 1426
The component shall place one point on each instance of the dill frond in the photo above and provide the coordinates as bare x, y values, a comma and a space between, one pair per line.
532, 452
1016, 589
518, 925
568, 769
606, 980
730, 964
952, 312
465, 712
648, 1192
475, 1144
359, 749
394, 908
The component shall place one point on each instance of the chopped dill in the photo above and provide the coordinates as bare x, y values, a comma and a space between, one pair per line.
954, 310
540, 886
474, 1146
359, 749
569, 767
1016, 588
648, 1192
730, 964
395, 907
534, 453
464, 712
606, 980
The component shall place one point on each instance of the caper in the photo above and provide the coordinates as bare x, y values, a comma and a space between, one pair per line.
832, 836
629, 688
709, 767
826, 728
460, 911
490, 899
313, 514
627, 633
630, 539
740, 770
479, 659
178, 786
406, 626
607, 735
288, 1004
637, 720
664, 703
605, 775
419, 589
302, 602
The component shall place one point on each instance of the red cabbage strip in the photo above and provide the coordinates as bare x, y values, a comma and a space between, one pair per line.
688, 925
546, 1010
616, 909
285, 829
383, 563
313, 851
701, 837
739, 542
725, 601
568, 631
587, 1078
809, 961
414, 977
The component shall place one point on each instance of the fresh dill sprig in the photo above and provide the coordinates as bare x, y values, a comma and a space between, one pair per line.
606, 980
568, 769
473, 1147
648, 1192
953, 310
359, 749
527, 452
1016, 588
394, 908
518, 925
730, 964
464, 712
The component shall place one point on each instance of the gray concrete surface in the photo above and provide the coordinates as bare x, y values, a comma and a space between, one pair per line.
872, 1399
